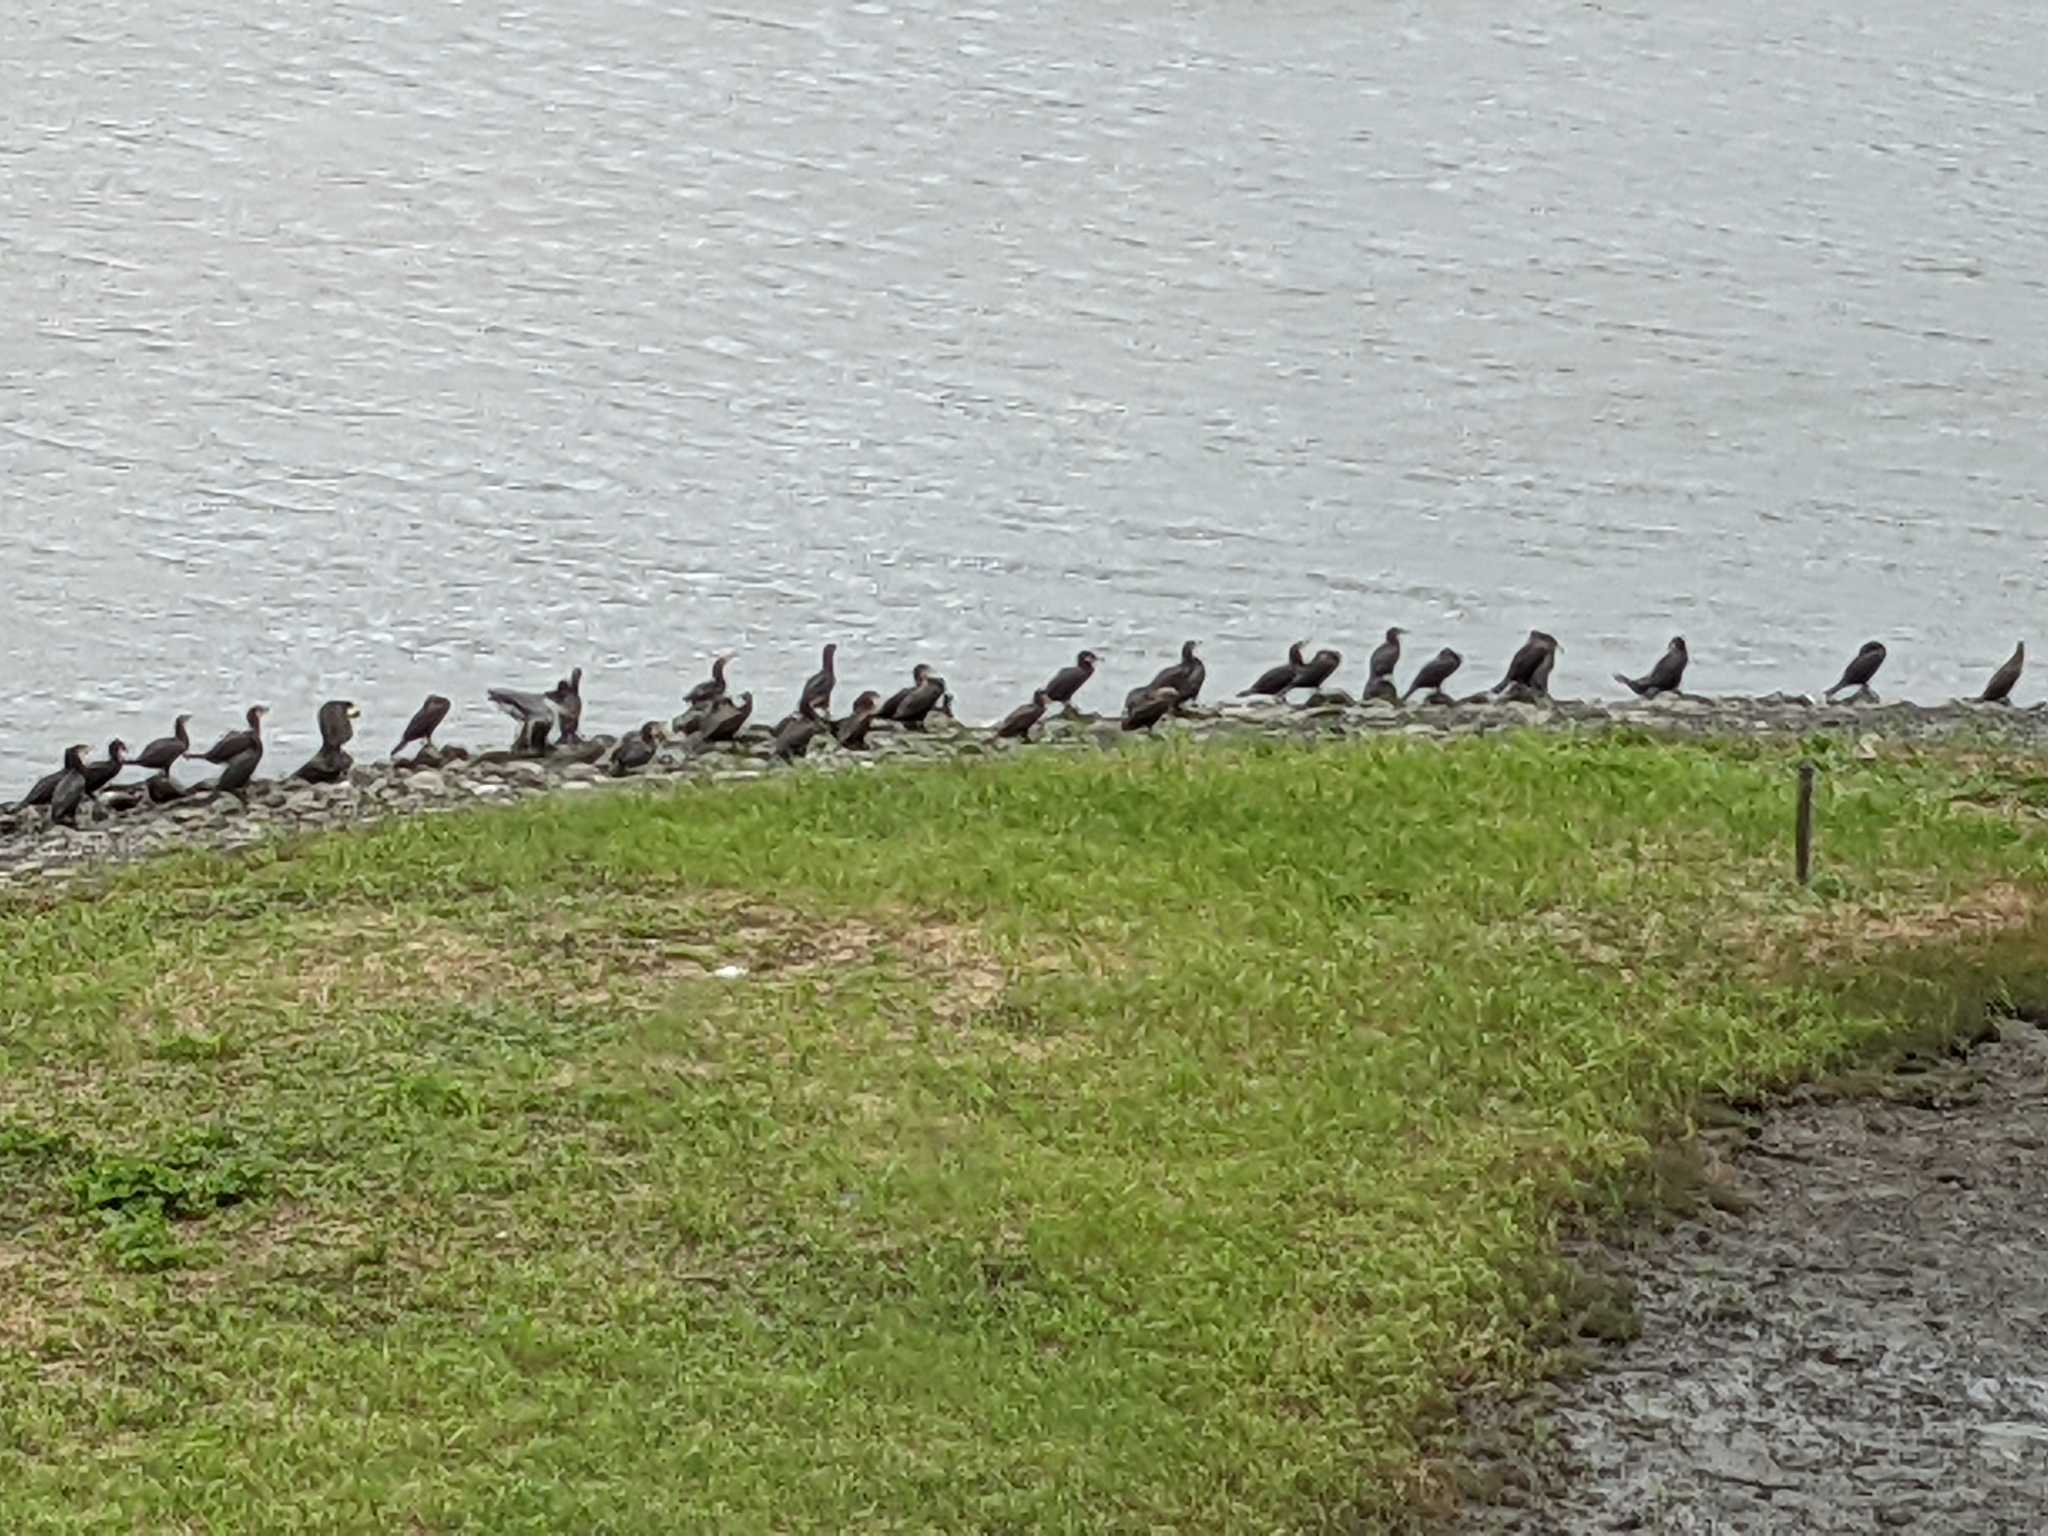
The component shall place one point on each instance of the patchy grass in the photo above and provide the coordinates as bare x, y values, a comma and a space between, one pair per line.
1098, 1142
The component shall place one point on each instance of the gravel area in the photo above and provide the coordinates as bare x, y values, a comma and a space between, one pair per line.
1860, 1343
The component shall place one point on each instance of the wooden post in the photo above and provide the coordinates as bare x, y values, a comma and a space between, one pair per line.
1803, 833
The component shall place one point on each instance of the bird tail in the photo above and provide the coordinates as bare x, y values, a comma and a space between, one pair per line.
1633, 685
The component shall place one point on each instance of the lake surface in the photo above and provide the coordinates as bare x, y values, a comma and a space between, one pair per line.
367, 349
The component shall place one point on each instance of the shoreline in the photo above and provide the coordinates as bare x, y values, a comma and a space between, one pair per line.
33, 852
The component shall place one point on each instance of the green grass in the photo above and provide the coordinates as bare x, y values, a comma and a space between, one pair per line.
1094, 1142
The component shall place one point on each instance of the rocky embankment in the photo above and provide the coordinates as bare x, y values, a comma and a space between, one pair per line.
126, 826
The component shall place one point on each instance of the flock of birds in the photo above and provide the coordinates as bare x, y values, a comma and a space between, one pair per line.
550, 722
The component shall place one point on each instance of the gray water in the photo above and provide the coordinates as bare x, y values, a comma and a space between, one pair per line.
363, 349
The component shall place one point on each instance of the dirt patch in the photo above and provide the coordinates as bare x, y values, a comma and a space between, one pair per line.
1859, 1344
1781, 934
621, 951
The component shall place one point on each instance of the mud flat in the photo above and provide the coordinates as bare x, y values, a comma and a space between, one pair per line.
1852, 1335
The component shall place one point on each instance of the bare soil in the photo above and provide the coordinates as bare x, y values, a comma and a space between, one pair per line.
1852, 1335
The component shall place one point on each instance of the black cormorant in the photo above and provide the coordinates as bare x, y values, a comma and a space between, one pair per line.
161, 755
1017, 723
1067, 681
852, 732
1149, 706
1274, 681
235, 743
636, 751
1663, 677
68, 793
817, 691
1861, 669
1999, 689
1435, 672
425, 721
712, 689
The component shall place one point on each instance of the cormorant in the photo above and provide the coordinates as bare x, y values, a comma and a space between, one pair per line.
331, 764
161, 755
1379, 667
636, 751
919, 675
68, 793
536, 714
1530, 666
1068, 680
567, 697
1999, 689
920, 701
1434, 674
234, 778
1663, 677
1017, 723
425, 721
162, 789
1184, 677
1318, 669
817, 693
1541, 681
1149, 706
102, 773
724, 722
235, 743
40, 792
1275, 681
852, 732
1861, 669
793, 737
712, 689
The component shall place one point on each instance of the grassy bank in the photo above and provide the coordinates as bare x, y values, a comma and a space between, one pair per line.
1092, 1142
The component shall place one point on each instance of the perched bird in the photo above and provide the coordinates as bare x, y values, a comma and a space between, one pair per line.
1530, 666
724, 722
1999, 689
40, 792
1275, 681
1150, 706
1541, 681
331, 764
1017, 723
1379, 667
1663, 677
1861, 669
235, 743
68, 793
817, 692
915, 703
919, 676
234, 778
567, 697
424, 722
1068, 680
102, 773
1318, 669
636, 751
535, 714
162, 789
1435, 672
852, 732
712, 689
1185, 677
794, 736
161, 755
